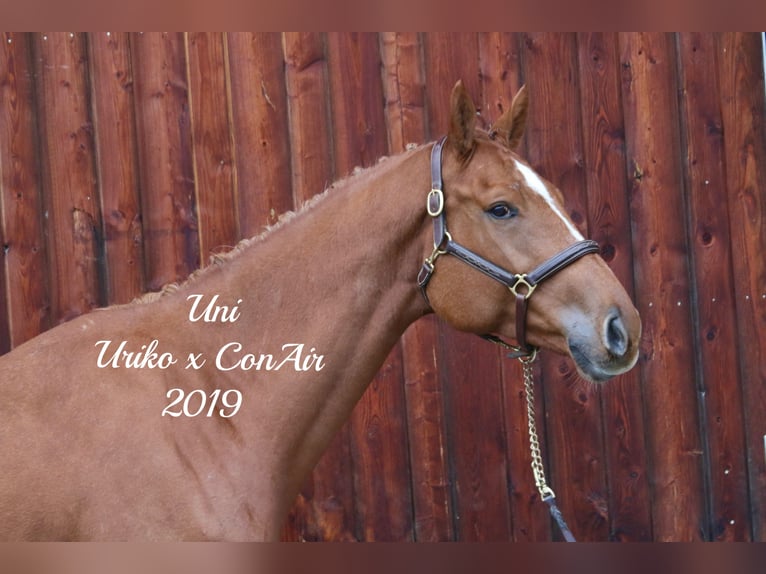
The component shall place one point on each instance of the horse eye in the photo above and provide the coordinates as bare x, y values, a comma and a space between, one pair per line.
503, 211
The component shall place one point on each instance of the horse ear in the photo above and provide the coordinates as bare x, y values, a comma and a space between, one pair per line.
511, 124
462, 120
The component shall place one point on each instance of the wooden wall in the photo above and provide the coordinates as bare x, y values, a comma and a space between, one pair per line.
127, 159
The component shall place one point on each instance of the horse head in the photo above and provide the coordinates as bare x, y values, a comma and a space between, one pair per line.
503, 219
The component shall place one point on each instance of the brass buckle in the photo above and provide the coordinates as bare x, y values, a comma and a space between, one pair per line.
521, 280
440, 206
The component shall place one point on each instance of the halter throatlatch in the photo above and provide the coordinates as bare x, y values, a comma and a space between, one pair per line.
521, 285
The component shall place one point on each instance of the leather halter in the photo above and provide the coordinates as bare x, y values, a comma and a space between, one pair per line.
521, 285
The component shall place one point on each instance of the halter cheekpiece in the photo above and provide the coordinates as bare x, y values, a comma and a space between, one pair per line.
521, 285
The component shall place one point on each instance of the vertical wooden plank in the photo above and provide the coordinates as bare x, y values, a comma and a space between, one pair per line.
68, 174
719, 385
311, 142
740, 71
382, 494
24, 261
573, 413
325, 507
5, 335
405, 118
261, 135
171, 243
378, 428
501, 75
117, 164
500, 68
356, 93
649, 90
211, 142
474, 406
404, 86
6, 79
449, 57
609, 223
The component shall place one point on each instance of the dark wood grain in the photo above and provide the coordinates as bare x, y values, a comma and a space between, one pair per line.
5, 335
114, 124
212, 144
163, 128
260, 130
357, 108
603, 133
649, 93
404, 87
68, 176
740, 69
310, 130
25, 273
719, 386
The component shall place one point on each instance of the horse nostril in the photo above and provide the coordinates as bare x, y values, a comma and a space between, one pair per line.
616, 336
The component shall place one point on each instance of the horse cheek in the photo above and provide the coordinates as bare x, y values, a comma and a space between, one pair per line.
468, 303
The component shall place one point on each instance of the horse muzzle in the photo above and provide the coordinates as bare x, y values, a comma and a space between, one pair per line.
607, 348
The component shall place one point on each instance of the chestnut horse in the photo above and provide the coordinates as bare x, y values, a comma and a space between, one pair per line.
196, 414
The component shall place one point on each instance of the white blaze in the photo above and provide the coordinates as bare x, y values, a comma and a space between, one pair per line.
536, 184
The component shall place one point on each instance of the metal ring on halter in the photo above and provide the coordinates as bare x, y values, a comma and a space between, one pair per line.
525, 356
521, 280
437, 251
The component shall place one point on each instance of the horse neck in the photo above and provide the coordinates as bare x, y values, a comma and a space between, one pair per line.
340, 278
350, 259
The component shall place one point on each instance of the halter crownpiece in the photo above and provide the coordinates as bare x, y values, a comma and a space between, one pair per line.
521, 285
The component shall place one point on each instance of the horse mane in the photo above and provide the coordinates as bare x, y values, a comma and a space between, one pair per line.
220, 258
216, 260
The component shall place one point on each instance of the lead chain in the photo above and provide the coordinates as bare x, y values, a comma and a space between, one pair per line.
534, 442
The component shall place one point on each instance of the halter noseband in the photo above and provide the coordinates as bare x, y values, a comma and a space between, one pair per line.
522, 285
